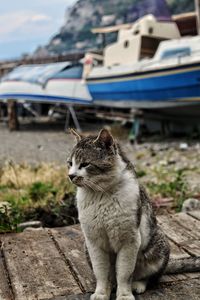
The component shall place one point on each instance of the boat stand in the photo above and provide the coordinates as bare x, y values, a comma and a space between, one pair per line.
135, 130
71, 113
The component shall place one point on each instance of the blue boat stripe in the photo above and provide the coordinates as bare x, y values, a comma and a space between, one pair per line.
148, 73
45, 97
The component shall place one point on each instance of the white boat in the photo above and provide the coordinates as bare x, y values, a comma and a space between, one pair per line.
149, 67
46, 83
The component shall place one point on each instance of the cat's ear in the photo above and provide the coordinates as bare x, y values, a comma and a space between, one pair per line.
105, 137
77, 136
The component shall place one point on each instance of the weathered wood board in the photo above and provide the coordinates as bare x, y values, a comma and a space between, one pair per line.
49, 264
176, 252
185, 290
5, 290
189, 223
186, 238
195, 214
73, 249
36, 268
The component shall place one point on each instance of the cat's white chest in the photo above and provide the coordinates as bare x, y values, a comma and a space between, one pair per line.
94, 209
93, 217
106, 218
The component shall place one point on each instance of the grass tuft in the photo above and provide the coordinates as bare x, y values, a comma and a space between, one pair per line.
40, 192
176, 188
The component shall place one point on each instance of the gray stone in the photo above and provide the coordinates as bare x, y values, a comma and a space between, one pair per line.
30, 224
191, 204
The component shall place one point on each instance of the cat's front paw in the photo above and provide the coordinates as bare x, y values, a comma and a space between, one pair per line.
125, 296
99, 296
139, 287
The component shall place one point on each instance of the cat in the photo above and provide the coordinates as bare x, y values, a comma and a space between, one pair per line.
124, 241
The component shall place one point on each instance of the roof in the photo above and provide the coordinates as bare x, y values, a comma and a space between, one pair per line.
109, 29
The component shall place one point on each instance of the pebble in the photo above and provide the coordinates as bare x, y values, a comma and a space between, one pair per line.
183, 146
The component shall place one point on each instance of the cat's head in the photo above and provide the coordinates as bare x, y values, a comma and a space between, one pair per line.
94, 161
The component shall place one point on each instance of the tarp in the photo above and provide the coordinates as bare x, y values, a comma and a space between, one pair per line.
35, 73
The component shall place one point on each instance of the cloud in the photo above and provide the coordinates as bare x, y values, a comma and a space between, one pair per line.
23, 22
26, 24
40, 18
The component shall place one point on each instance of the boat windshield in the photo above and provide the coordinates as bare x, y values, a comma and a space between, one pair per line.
180, 52
71, 72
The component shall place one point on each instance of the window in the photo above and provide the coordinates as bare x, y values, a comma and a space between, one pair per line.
137, 31
176, 53
72, 72
126, 44
150, 30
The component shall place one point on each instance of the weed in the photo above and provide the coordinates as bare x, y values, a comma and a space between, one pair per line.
176, 189
39, 190
140, 173
35, 193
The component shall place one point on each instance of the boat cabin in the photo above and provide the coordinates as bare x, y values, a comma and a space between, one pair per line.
138, 40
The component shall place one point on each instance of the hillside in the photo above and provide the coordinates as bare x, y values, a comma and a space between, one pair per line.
75, 34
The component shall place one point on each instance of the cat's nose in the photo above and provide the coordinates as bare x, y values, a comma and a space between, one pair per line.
72, 176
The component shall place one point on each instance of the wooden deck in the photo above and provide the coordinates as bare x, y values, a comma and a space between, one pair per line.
50, 263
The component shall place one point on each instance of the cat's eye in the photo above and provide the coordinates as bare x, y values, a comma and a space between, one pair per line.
83, 165
69, 163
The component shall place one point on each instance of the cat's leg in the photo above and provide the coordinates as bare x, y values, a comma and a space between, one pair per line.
145, 270
101, 267
125, 265
151, 263
139, 286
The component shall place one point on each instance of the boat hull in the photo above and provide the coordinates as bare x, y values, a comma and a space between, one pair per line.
169, 87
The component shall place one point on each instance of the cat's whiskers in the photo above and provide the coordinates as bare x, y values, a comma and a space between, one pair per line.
88, 184
95, 186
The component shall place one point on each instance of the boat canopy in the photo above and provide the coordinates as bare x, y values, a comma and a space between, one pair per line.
36, 73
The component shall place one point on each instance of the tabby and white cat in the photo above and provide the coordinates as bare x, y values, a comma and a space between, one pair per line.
121, 232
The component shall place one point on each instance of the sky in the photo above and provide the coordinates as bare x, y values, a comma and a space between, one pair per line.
26, 24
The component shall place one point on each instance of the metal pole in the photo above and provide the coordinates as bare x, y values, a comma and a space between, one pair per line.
74, 118
197, 10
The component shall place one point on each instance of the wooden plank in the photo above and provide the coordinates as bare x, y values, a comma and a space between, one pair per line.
182, 237
195, 214
182, 290
193, 275
174, 231
36, 268
70, 241
178, 277
173, 278
192, 247
188, 222
177, 252
5, 291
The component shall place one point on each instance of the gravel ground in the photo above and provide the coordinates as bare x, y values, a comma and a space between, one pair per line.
41, 141
35, 146
46, 142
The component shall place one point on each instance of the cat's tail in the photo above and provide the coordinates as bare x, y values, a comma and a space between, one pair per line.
182, 265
